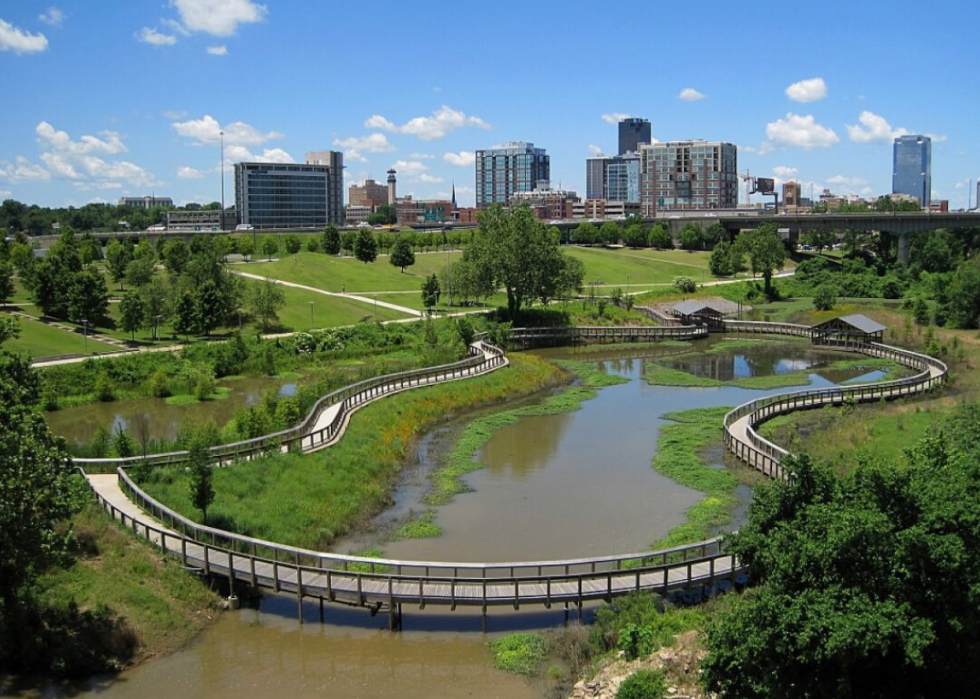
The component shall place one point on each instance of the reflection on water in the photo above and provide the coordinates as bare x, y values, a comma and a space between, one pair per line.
80, 423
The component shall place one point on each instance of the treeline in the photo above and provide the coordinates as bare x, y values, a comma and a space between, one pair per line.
17, 217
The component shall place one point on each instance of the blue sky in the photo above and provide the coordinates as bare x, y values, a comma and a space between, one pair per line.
125, 97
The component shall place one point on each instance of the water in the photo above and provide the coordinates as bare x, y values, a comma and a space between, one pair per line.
576, 484
79, 424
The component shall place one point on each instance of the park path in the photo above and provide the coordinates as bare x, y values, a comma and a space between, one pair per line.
354, 297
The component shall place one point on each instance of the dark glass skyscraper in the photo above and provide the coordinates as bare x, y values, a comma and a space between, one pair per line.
632, 132
912, 168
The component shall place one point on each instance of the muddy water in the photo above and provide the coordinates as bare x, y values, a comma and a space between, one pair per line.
568, 485
79, 424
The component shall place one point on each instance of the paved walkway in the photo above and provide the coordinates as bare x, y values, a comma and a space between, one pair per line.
352, 297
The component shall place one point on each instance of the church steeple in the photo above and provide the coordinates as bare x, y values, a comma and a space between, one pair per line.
454, 196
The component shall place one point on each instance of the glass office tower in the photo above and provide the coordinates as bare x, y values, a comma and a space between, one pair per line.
912, 168
508, 168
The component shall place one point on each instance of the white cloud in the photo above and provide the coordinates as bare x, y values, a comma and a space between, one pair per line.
784, 172
53, 17
189, 173
22, 170
462, 159
352, 154
807, 90
799, 132
689, 94
594, 149
218, 17
428, 128
95, 187
849, 185
49, 137
17, 40
206, 132
873, 129
614, 117
422, 156
218, 50
238, 153
4, 193
936, 137
430, 179
155, 38
372, 143
175, 26
409, 167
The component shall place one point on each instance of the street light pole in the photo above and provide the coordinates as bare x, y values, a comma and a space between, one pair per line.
85, 332
156, 326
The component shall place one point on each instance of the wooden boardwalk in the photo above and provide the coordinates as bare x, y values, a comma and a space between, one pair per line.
390, 584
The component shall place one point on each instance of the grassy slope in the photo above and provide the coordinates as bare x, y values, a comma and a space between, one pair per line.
162, 603
624, 265
328, 311
40, 340
309, 500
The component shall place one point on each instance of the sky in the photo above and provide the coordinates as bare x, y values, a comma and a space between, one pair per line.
114, 98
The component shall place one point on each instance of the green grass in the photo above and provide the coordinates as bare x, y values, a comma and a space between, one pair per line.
520, 653
309, 500
422, 527
41, 340
162, 603
220, 393
447, 481
640, 267
679, 458
328, 311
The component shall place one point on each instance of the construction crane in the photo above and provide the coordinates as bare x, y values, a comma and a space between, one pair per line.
749, 186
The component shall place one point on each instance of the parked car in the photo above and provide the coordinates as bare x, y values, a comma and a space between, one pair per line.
244, 227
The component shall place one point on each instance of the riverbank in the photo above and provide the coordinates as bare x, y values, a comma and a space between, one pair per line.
309, 500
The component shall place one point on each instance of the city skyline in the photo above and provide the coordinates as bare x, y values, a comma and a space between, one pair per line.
131, 101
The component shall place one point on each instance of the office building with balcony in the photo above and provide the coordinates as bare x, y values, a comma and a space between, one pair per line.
509, 168
616, 178
688, 175
291, 195
912, 168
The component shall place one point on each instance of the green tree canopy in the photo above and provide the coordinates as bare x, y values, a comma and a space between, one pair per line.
867, 583
430, 292
293, 244
659, 237
765, 250
609, 233
270, 246
584, 234
331, 240
402, 255
245, 247
265, 298
691, 237
133, 313
366, 247
117, 259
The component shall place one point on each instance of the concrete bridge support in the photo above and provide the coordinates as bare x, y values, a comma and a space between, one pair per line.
903, 248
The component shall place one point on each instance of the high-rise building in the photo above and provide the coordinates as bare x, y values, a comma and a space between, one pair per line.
912, 168
370, 193
688, 175
291, 195
615, 178
508, 168
335, 183
632, 132
791, 194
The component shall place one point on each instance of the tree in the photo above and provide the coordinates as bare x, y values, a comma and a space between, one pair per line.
88, 297
691, 237
384, 215
714, 234
269, 245
313, 244
133, 313
264, 301
331, 240
635, 236
117, 259
856, 577
366, 247
183, 320
765, 250
402, 255
201, 480
824, 299
720, 262
430, 292
156, 303
208, 308
293, 244
139, 271
685, 285
659, 237
584, 234
6, 282
570, 278
517, 252
964, 296
348, 240
246, 247
609, 233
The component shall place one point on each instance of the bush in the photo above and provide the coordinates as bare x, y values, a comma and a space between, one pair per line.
635, 641
160, 384
643, 684
685, 284
824, 299
520, 653
204, 387
104, 389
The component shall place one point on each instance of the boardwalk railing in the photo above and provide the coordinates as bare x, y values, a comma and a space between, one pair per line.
766, 456
532, 337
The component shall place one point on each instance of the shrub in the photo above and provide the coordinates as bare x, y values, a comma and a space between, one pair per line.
685, 284
643, 684
635, 641
204, 387
824, 299
520, 653
104, 389
160, 384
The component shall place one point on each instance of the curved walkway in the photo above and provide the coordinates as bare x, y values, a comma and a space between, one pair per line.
385, 583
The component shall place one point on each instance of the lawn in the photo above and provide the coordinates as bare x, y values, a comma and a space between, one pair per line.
328, 311
41, 340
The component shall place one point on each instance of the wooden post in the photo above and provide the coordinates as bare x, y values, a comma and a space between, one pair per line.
299, 593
